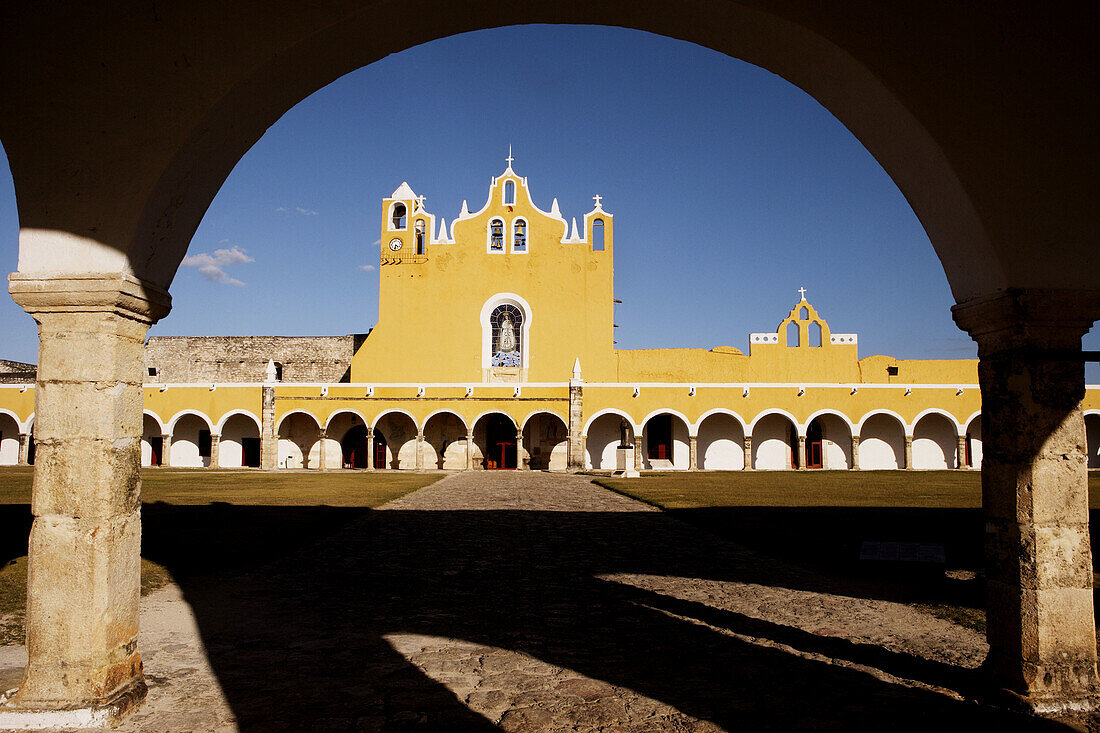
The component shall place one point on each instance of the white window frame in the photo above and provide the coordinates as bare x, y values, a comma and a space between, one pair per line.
526, 236
487, 328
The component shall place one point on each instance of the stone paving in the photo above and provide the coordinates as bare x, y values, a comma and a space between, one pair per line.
541, 602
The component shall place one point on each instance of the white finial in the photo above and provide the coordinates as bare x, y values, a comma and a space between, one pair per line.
441, 235
509, 158
270, 371
802, 291
574, 236
465, 210
577, 368
554, 211
420, 201
597, 198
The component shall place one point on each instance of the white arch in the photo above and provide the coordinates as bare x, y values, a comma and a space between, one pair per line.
669, 411
523, 423
231, 413
391, 410
609, 411
905, 429
492, 412
28, 427
828, 411
959, 429
13, 416
341, 411
444, 411
296, 411
155, 416
183, 413
716, 411
1092, 411
776, 411
487, 328
966, 423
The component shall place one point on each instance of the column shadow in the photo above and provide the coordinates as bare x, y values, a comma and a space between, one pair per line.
296, 632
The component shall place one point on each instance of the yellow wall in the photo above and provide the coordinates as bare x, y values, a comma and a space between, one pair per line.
429, 314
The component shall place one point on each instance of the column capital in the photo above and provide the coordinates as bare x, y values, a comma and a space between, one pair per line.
117, 293
1017, 318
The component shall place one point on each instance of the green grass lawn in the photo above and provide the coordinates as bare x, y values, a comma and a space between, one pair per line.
820, 520
198, 522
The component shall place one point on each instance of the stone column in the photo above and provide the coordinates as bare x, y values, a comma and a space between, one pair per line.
85, 543
855, 452
576, 424
215, 441
1039, 579
639, 459
322, 450
519, 452
908, 452
419, 450
269, 441
370, 449
166, 449
24, 448
960, 453
470, 451
801, 452
693, 452
748, 453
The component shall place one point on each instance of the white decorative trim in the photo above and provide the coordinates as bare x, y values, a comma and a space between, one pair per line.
526, 236
523, 423
389, 217
225, 418
611, 411
377, 418
475, 421
764, 338
668, 411
883, 411
176, 418
814, 415
444, 411
487, 329
959, 430
503, 236
843, 339
717, 411
344, 411
799, 428
296, 411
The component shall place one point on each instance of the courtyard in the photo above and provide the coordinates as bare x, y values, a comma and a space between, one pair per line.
530, 601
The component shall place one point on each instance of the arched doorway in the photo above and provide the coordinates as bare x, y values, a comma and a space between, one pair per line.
882, 442
774, 437
444, 441
828, 442
1092, 439
545, 442
299, 435
495, 441
395, 441
721, 443
9, 440
239, 446
935, 442
354, 448
602, 437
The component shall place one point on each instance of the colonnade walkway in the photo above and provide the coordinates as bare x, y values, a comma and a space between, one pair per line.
530, 601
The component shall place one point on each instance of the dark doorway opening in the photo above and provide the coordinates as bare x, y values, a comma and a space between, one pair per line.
354, 447
379, 450
792, 441
500, 439
814, 438
250, 452
659, 438
156, 446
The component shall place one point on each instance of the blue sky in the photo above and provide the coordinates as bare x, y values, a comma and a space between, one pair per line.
730, 187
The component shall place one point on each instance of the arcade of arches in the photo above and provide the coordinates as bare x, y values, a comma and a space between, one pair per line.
127, 124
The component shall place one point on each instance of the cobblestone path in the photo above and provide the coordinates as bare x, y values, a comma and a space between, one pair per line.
541, 602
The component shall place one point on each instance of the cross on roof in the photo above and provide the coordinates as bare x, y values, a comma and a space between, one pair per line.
420, 201
802, 291
597, 198
509, 158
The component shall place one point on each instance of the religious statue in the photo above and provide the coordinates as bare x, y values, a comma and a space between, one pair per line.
624, 429
507, 336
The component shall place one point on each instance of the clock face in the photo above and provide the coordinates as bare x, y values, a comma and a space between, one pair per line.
395, 244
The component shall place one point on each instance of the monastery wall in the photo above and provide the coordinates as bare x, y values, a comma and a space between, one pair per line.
209, 359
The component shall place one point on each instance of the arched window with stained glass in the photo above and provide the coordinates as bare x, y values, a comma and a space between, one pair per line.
496, 235
507, 324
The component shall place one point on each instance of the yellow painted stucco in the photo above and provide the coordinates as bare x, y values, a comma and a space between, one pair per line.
432, 351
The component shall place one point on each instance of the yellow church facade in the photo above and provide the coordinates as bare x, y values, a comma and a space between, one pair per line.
494, 349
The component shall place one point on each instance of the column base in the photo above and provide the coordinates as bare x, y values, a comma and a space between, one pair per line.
100, 715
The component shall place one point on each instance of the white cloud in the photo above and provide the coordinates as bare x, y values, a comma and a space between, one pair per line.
210, 265
366, 268
300, 209
377, 242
